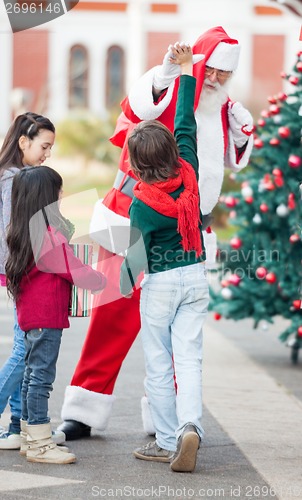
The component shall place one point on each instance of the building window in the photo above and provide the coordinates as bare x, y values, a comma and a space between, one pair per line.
78, 77
115, 76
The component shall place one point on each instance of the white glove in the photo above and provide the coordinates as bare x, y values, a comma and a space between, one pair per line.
241, 123
167, 72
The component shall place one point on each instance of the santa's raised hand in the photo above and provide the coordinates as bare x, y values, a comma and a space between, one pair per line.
167, 72
241, 123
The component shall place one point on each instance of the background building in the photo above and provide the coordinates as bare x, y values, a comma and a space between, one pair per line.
89, 57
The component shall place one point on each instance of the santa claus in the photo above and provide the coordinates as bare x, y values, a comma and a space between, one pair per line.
224, 132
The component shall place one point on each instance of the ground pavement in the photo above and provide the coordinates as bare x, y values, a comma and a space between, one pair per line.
252, 420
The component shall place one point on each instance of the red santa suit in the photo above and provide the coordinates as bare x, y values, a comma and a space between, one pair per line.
115, 321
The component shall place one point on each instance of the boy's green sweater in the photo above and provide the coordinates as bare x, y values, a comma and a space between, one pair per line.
155, 244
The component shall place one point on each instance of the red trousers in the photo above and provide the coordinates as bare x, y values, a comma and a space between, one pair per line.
114, 325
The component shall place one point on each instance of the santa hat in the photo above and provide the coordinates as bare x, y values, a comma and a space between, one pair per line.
225, 56
220, 51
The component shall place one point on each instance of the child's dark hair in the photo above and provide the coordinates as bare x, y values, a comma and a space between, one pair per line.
29, 124
35, 192
153, 152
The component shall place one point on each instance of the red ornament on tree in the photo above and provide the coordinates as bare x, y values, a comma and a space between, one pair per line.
294, 80
271, 278
284, 132
291, 204
274, 109
261, 272
294, 238
230, 201
249, 200
265, 113
299, 66
263, 207
279, 182
283, 74
294, 161
282, 96
274, 141
234, 279
267, 183
272, 99
277, 172
299, 331
236, 242
217, 316
258, 143
261, 122
297, 304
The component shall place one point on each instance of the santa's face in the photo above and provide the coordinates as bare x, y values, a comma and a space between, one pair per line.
214, 94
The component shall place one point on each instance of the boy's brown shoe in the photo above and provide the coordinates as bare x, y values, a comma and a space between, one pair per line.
153, 452
186, 453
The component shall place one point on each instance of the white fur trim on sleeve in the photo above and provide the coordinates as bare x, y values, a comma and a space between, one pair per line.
141, 98
230, 159
210, 243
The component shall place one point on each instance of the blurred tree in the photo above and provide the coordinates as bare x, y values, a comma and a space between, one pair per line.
85, 135
260, 268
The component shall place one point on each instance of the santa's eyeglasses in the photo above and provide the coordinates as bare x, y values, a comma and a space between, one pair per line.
220, 73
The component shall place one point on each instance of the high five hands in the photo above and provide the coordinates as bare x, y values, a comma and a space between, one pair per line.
182, 56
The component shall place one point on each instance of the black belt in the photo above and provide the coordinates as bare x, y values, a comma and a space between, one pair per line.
128, 183
207, 220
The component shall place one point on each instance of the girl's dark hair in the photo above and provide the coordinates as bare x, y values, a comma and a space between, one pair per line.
153, 152
29, 124
35, 192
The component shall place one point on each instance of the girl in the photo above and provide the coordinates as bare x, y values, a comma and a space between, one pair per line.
28, 142
174, 298
40, 268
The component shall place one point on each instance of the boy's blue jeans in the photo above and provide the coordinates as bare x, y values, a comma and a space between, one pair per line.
11, 377
42, 350
174, 306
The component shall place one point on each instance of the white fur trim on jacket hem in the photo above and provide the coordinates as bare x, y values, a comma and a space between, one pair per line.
88, 407
101, 224
141, 98
146, 417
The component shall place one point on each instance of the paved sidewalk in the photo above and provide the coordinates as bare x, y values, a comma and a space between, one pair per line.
252, 418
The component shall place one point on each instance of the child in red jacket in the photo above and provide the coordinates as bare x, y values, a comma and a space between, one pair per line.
40, 268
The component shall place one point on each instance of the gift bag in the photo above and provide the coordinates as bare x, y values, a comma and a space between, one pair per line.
80, 300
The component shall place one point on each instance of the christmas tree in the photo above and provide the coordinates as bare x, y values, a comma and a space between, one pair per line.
260, 269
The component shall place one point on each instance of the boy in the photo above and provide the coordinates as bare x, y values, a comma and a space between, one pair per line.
166, 243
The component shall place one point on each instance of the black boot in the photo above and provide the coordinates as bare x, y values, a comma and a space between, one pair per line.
74, 430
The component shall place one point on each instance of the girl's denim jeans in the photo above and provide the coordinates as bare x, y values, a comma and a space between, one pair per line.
174, 306
11, 376
42, 350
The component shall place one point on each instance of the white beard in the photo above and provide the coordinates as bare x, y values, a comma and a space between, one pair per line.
210, 145
212, 100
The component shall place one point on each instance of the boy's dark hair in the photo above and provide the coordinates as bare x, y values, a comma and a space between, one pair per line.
153, 152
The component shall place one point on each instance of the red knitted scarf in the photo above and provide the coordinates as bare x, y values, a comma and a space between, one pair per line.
185, 209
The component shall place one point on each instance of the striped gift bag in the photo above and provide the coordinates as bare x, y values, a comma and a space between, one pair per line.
80, 300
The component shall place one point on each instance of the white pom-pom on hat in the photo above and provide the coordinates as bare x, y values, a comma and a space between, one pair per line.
225, 56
